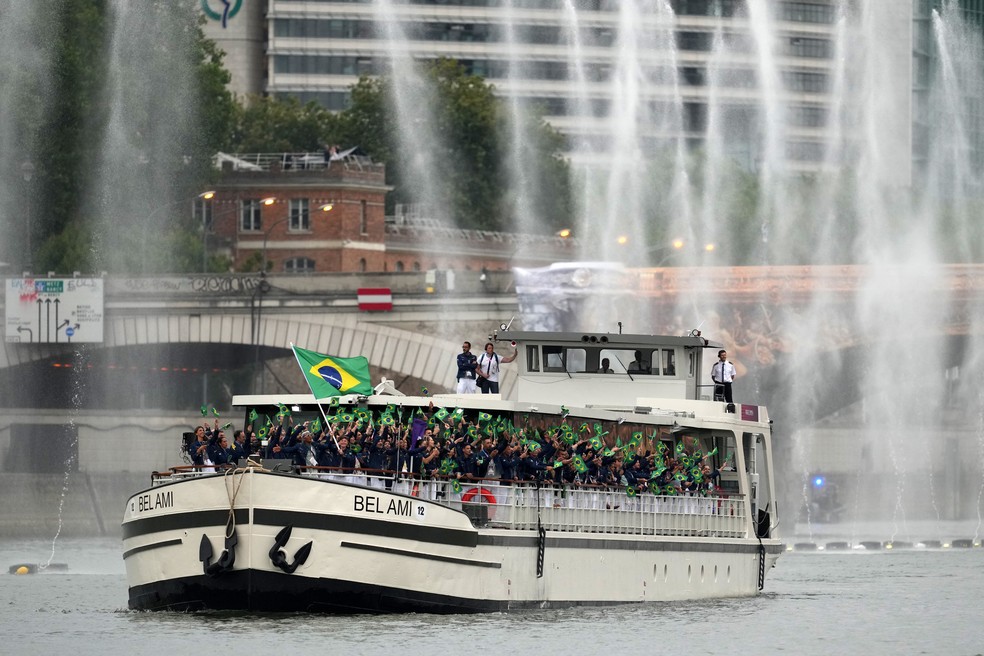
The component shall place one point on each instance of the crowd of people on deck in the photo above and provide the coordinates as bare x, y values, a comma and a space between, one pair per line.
439, 444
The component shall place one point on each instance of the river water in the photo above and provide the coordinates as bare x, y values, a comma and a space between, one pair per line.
887, 602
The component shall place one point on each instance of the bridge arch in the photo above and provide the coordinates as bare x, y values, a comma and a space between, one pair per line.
427, 357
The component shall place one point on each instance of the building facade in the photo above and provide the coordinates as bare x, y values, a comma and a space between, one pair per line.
317, 49
315, 212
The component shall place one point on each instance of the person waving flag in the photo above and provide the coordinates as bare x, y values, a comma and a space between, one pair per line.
328, 375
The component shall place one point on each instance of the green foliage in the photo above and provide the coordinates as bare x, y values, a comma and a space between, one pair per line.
277, 125
472, 125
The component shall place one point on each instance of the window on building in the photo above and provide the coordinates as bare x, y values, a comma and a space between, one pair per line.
251, 217
416, 266
299, 265
362, 265
363, 218
300, 214
399, 266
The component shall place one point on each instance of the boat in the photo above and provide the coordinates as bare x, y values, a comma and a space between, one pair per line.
271, 536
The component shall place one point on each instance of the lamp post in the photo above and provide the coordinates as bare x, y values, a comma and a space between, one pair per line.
27, 171
208, 195
205, 195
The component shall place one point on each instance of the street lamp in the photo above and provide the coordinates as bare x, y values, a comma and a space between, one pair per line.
205, 195
27, 171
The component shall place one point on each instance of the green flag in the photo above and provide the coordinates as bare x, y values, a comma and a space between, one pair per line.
441, 414
579, 464
253, 416
484, 417
456, 486
316, 426
215, 413
333, 376
629, 490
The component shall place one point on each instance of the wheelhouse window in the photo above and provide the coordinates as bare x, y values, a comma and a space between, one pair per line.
300, 215
533, 358
668, 363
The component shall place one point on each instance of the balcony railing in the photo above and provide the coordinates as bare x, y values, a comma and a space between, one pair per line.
523, 505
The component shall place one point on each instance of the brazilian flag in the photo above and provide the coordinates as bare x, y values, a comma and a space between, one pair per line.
253, 416
629, 490
636, 438
441, 414
455, 486
596, 442
579, 464
333, 376
316, 426
387, 420
484, 417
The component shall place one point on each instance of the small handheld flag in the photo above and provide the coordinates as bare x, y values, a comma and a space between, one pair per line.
204, 411
215, 413
253, 416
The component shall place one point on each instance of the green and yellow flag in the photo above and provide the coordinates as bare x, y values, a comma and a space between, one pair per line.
331, 376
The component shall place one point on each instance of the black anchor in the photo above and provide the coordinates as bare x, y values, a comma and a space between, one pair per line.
226, 560
279, 558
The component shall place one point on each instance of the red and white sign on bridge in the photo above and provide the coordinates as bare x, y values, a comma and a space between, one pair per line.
375, 299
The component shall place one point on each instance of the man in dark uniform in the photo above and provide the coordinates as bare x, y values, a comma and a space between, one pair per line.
467, 362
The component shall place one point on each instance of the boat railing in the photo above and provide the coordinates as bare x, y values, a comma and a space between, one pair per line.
526, 505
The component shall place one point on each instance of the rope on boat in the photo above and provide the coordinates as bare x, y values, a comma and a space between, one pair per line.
232, 491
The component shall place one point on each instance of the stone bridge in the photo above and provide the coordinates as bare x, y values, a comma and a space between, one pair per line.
418, 339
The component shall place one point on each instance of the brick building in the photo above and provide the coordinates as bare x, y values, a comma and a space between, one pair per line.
312, 212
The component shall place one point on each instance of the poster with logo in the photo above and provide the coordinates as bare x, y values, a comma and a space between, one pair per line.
54, 310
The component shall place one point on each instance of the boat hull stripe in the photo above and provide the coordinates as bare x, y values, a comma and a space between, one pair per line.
425, 556
148, 547
182, 521
347, 524
300, 519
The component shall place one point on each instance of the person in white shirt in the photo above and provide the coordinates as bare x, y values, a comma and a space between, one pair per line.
488, 369
723, 374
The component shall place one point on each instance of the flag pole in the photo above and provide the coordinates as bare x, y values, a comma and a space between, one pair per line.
317, 402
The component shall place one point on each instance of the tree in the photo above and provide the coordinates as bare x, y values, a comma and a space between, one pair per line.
130, 125
470, 124
273, 124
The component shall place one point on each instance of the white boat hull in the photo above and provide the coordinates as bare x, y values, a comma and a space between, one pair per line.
377, 551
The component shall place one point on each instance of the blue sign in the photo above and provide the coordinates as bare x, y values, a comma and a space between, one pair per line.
70, 331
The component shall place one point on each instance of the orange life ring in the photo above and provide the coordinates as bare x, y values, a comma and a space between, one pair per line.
471, 493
